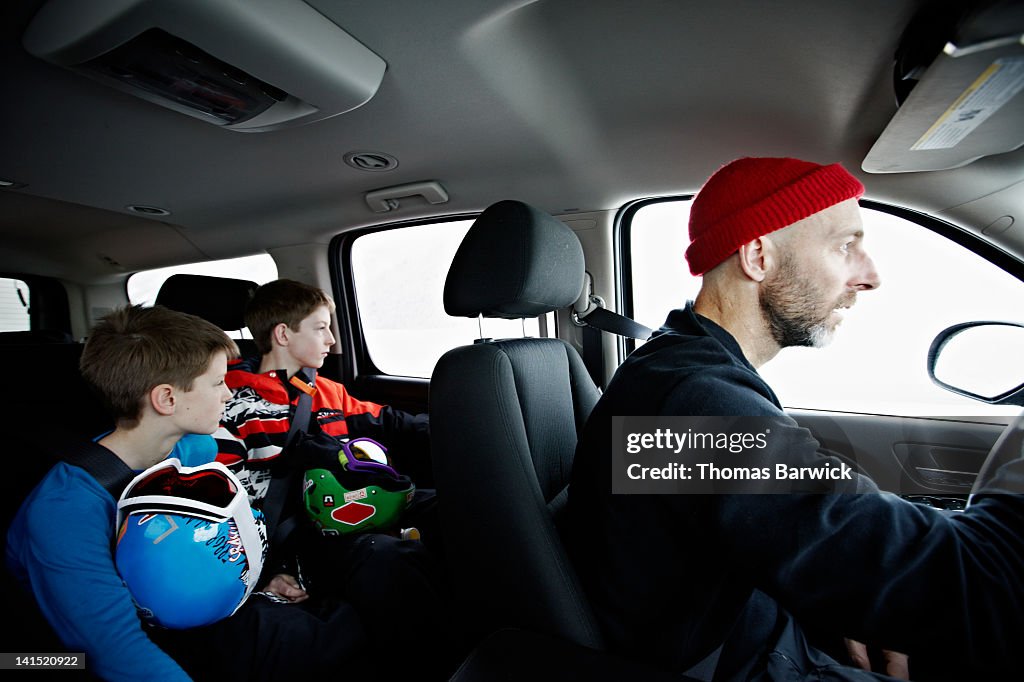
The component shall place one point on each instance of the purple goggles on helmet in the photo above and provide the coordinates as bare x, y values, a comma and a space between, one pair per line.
365, 455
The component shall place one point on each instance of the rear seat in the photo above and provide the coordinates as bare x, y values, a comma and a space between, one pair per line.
46, 404
220, 300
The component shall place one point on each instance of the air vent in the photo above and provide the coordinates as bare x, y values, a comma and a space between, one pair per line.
248, 66
371, 161
142, 209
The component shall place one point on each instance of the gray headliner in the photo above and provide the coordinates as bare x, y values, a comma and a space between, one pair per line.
568, 105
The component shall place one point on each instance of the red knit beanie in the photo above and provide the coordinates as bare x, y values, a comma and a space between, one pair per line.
751, 197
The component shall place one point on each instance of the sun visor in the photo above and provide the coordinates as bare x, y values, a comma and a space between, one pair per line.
249, 66
966, 105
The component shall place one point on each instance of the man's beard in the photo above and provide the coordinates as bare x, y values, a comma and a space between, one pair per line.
792, 309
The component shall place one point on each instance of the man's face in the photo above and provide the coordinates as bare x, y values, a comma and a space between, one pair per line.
310, 343
821, 266
200, 410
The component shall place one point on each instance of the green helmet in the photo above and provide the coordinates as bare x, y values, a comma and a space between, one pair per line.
355, 489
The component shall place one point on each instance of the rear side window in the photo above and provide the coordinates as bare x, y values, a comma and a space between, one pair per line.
14, 305
399, 275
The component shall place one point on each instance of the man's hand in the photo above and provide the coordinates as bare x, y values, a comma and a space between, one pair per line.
896, 664
286, 587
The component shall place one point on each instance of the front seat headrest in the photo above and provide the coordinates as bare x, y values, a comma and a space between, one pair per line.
220, 300
515, 261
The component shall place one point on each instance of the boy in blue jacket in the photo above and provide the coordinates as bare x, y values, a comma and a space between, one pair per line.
161, 374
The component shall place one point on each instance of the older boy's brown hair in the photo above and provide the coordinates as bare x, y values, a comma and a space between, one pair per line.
133, 349
283, 300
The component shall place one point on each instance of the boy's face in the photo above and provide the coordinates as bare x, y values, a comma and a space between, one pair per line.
309, 345
200, 410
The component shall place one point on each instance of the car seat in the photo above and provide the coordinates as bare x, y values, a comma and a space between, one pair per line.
505, 416
220, 300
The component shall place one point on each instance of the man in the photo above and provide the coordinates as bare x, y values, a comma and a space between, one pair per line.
734, 582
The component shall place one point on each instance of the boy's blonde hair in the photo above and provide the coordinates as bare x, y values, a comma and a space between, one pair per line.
283, 300
133, 349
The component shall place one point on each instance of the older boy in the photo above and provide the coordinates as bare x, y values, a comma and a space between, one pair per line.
161, 374
393, 583
291, 326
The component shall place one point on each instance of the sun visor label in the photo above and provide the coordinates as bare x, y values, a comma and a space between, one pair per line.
999, 83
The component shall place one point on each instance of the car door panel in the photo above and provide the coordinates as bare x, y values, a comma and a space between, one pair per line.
404, 393
909, 455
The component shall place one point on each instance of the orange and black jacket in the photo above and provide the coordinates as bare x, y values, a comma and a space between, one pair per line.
258, 416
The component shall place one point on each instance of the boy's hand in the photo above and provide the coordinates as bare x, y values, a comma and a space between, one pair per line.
896, 664
286, 587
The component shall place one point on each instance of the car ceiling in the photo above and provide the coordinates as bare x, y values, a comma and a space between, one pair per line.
571, 105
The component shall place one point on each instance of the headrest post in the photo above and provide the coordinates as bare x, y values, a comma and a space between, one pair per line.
480, 325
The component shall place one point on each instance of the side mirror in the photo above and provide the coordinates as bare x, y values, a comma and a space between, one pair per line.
980, 360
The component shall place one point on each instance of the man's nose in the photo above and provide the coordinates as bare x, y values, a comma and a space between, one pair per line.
867, 277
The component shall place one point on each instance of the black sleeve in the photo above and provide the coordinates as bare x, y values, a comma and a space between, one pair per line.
405, 435
946, 588
877, 568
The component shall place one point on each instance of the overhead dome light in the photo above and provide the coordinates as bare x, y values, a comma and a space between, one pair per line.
245, 66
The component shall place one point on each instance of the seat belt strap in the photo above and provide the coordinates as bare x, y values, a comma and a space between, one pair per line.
107, 468
284, 475
593, 355
606, 320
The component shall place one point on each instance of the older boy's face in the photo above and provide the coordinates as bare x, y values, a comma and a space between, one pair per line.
200, 410
310, 344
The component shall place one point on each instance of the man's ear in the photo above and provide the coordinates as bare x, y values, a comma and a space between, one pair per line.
280, 334
756, 258
162, 399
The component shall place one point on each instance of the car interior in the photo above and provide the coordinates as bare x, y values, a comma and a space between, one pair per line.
472, 182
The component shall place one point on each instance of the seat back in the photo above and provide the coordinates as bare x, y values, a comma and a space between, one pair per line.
505, 417
220, 300
48, 405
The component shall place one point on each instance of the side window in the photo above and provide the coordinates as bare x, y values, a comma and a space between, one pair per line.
144, 286
877, 360
14, 305
399, 275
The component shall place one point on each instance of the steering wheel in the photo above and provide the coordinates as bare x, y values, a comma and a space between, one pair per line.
1008, 447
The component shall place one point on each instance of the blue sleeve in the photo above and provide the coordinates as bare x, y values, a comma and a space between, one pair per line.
67, 559
195, 449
